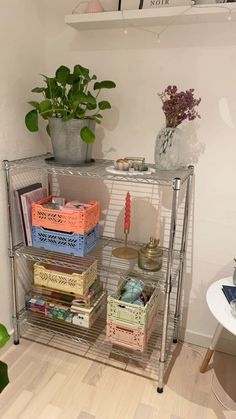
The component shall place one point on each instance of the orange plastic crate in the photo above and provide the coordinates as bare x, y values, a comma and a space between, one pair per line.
74, 221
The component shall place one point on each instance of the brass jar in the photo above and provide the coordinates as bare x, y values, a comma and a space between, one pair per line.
150, 256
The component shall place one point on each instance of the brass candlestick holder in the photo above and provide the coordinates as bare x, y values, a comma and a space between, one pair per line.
125, 252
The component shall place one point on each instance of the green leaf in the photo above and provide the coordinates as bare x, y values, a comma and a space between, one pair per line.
97, 117
38, 89
62, 74
104, 104
67, 117
4, 379
54, 92
80, 113
31, 121
91, 107
48, 130
81, 71
34, 104
81, 98
97, 120
44, 106
87, 135
71, 80
91, 99
105, 84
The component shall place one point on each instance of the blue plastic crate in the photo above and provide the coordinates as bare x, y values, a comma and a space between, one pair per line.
73, 243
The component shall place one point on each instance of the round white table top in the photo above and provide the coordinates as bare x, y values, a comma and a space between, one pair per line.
219, 305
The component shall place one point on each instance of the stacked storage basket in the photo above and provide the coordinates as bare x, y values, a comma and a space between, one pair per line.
72, 231
131, 325
65, 294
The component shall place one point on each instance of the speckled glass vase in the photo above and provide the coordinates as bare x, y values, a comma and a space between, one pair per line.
169, 149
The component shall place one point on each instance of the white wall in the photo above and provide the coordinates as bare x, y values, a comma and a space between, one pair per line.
202, 56
22, 45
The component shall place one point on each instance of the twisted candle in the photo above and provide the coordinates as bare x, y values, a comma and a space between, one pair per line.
127, 213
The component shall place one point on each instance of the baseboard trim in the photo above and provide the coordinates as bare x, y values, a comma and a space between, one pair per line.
226, 343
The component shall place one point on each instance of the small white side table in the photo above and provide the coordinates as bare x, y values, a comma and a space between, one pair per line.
220, 309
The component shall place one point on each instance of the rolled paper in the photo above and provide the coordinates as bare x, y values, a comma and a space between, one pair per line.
127, 213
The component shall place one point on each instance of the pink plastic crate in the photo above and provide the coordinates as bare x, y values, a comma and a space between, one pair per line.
128, 336
77, 221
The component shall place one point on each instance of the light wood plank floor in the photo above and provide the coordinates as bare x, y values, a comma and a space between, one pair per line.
46, 383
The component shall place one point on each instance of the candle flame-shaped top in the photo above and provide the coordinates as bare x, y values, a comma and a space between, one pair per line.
127, 213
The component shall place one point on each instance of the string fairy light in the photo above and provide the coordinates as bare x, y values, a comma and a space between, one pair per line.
173, 20
125, 30
176, 18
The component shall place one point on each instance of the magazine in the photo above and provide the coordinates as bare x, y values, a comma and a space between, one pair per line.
18, 194
26, 200
229, 292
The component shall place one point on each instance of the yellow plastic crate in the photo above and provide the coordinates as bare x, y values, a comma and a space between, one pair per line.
65, 279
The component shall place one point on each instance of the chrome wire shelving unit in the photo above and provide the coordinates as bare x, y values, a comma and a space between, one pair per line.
146, 189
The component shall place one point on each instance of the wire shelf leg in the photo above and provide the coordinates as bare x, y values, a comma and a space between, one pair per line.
162, 360
183, 257
11, 256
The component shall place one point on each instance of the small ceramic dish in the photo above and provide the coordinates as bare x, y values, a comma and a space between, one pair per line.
122, 164
233, 307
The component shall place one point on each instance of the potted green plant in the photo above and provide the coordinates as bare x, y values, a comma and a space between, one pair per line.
4, 337
70, 104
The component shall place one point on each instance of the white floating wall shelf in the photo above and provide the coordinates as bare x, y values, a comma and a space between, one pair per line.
150, 17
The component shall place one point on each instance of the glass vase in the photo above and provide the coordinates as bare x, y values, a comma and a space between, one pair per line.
169, 149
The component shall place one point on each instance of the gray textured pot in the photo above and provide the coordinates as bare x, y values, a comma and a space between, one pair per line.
68, 148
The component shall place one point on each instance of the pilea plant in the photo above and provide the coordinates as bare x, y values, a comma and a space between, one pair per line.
70, 95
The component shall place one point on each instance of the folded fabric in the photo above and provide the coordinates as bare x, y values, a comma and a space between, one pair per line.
132, 290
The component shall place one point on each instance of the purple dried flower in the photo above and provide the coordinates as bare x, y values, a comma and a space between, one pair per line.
178, 106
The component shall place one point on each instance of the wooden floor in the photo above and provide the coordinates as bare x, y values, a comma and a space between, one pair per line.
47, 383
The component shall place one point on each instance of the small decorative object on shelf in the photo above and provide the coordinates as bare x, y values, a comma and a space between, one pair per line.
131, 164
150, 256
94, 6
126, 252
177, 107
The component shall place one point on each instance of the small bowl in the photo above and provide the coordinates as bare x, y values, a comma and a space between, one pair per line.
233, 307
121, 164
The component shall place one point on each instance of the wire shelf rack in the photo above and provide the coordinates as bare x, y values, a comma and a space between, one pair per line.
160, 208
98, 169
93, 345
108, 266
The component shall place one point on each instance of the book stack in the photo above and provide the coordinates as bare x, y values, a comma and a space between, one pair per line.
82, 310
24, 199
66, 294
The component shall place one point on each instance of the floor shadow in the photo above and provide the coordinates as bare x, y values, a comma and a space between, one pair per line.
214, 389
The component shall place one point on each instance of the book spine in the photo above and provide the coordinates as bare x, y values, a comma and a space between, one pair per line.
21, 220
26, 220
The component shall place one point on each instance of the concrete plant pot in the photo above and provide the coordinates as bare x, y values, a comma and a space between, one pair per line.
68, 148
